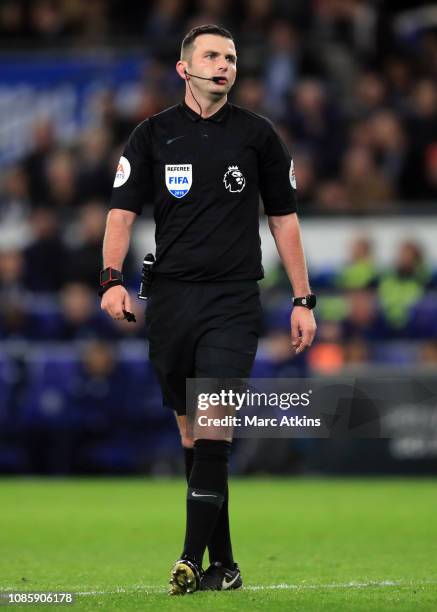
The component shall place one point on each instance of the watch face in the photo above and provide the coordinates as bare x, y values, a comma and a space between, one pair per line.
309, 301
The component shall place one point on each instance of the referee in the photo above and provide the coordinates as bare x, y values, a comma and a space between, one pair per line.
202, 165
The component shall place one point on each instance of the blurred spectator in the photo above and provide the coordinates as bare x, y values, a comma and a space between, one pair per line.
398, 73
428, 353
62, 186
14, 207
252, 38
281, 67
12, 268
389, 145
332, 196
11, 22
80, 318
257, 14
84, 259
315, 125
305, 179
359, 133
43, 143
99, 394
213, 11
84, 253
15, 322
363, 320
95, 176
47, 22
369, 95
327, 354
164, 27
403, 287
422, 127
251, 94
366, 187
348, 24
357, 353
92, 24
360, 270
108, 117
45, 256
148, 103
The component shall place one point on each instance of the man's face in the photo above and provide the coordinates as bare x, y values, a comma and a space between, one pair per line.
213, 55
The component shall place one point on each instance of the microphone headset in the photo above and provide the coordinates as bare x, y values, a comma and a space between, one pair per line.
216, 79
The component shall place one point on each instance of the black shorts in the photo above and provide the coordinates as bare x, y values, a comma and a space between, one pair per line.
201, 330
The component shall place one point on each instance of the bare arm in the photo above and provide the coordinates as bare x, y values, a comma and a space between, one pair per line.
286, 232
117, 237
115, 247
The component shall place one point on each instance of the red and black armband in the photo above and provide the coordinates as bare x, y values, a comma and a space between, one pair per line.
109, 277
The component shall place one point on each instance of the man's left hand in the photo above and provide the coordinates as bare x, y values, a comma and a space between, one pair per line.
303, 328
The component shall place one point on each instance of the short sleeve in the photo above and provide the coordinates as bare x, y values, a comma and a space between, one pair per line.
276, 175
133, 182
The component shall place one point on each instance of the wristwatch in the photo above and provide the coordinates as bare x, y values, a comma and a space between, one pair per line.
109, 277
308, 301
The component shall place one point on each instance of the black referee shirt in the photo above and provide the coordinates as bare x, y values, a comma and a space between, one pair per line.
203, 178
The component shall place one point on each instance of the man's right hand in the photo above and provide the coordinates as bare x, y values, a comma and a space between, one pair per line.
115, 300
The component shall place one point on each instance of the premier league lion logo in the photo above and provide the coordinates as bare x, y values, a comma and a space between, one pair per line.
234, 179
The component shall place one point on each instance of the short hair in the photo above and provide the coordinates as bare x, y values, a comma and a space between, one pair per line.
210, 28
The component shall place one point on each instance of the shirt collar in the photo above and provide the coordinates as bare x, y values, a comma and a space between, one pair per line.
216, 117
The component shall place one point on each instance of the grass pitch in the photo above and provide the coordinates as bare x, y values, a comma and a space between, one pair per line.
302, 544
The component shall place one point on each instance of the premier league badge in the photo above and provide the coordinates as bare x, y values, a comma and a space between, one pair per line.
178, 179
234, 179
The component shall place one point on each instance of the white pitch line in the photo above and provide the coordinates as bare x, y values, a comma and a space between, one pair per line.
271, 587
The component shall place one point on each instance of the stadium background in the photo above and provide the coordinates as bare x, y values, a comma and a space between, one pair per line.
351, 86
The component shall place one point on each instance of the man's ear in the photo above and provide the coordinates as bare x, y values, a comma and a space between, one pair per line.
181, 69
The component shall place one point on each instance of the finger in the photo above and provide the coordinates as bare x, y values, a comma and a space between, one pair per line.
116, 311
300, 349
312, 334
307, 338
295, 336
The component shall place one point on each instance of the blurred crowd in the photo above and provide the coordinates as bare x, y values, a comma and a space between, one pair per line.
350, 84
351, 87
48, 292
367, 314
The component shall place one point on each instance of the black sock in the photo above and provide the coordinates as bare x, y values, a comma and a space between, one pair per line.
206, 492
219, 546
189, 458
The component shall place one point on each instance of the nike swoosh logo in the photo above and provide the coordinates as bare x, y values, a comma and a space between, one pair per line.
194, 494
176, 138
227, 585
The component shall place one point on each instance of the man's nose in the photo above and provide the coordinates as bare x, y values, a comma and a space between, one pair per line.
222, 65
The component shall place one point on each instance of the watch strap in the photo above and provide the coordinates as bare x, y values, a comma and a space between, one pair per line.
109, 277
307, 301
